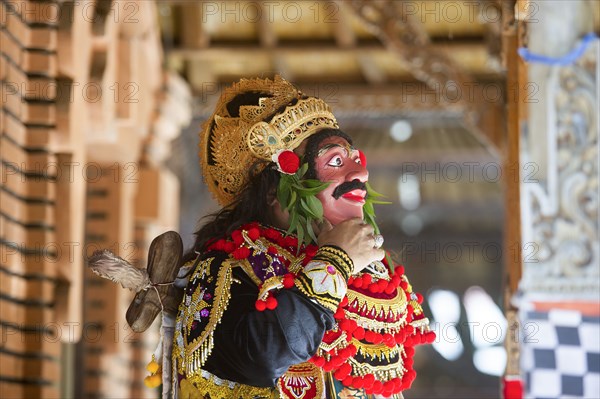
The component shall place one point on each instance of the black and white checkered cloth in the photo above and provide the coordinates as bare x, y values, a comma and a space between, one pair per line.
560, 355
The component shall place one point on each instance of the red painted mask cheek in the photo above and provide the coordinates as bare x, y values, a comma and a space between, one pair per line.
338, 210
363, 158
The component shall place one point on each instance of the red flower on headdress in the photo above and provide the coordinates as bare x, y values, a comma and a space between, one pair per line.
287, 161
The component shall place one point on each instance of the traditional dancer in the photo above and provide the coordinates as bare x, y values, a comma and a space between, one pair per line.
287, 292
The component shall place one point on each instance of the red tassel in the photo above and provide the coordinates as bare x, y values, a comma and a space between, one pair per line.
344, 302
339, 314
343, 372
373, 337
399, 338
327, 367
368, 379
272, 234
290, 241
344, 353
288, 280
389, 340
311, 251
378, 338
388, 386
237, 238
411, 374
419, 298
260, 305
512, 388
229, 246
390, 288
352, 326
271, 303
253, 234
430, 337
353, 350
358, 382
241, 253
337, 361
318, 361
359, 333
348, 381
377, 387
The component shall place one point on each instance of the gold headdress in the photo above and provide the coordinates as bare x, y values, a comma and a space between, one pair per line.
231, 144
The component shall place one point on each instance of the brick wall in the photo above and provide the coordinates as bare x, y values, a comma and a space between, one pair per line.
84, 129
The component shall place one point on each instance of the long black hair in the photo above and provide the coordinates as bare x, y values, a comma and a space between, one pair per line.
252, 205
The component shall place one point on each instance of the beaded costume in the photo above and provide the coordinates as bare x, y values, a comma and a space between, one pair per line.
323, 337
264, 313
268, 315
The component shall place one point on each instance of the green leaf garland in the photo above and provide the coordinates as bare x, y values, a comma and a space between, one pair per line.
369, 209
298, 196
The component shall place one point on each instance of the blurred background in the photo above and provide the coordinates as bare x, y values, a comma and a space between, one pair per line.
472, 114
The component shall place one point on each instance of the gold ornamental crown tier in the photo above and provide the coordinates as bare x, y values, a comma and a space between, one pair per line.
231, 145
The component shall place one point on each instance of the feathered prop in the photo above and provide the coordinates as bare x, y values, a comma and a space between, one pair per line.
153, 286
158, 288
110, 266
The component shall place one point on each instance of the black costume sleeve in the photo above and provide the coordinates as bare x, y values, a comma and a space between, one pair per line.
255, 348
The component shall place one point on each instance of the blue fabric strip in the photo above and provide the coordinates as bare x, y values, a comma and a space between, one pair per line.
565, 60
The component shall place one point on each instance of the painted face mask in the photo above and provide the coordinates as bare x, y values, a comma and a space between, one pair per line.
338, 163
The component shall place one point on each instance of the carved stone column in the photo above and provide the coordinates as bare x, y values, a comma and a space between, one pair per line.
560, 285
559, 165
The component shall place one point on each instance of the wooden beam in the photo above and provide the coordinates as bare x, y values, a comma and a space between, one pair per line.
220, 50
411, 99
267, 35
373, 74
471, 57
193, 34
282, 67
344, 35
516, 73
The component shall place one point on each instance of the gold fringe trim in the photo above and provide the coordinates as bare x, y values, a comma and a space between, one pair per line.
377, 307
197, 351
376, 351
207, 386
381, 373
